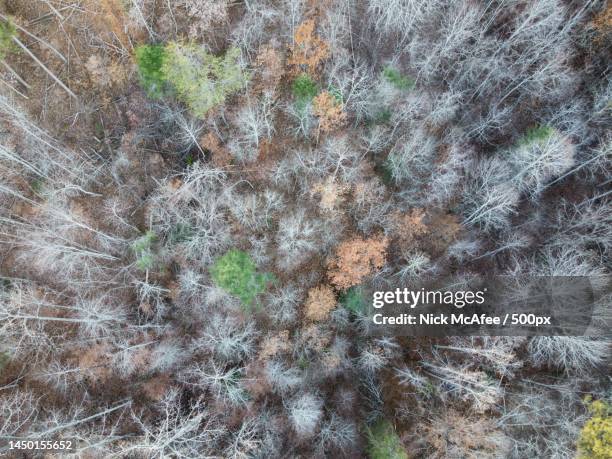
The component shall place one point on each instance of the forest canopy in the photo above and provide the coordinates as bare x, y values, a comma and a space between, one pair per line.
197, 198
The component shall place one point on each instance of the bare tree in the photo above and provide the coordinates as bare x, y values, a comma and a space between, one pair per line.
182, 435
489, 198
296, 239
305, 413
574, 354
227, 339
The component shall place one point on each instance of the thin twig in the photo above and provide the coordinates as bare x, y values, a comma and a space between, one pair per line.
52, 8
40, 40
15, 74
14, 89
44, 67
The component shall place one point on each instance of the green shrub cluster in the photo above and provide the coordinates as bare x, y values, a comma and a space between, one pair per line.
200, 80
7, 32
595, 440
143, 249
236, 273
336, 93
399, 81
384, 443
536, 135
354, 300
4, 360
180, 232
304, 89
150, 59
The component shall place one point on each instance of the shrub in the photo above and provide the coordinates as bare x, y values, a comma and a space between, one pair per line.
354, 300
536, 134
150, 60
7, 32
399, 81
180, 232
202, 80
595, 440
236, 273
382, 116
142, 247
4, 360
336, 93
304, 90
384, 443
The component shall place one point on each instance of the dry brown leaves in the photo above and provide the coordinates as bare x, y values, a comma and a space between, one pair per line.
315, 337
104, 74
95, 363
220, 156
270, 65
114, 18
603, 20
443, 231
409, 226
355, 260
155, 388
329, 111
308, 51
456, 435
321, 301
331, 194
275, 344
431, 232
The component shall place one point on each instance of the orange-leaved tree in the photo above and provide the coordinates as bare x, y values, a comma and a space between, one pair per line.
356, 259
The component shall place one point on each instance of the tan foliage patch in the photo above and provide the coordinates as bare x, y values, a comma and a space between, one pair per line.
321, 301
431, 232
315, 338
456, 435
603, 20
157, 387
270, 65
355, 260
331, 193
443, 231
104, 74
308, 51
95, 362
220, 156
114, 18
409, 226
275, 344
329, 111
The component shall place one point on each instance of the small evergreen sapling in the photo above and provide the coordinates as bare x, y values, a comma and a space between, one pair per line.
536, 134
142, 248
399, 81
384, 443
7, 32
150, 59
236, 273
354, 300
304, 90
